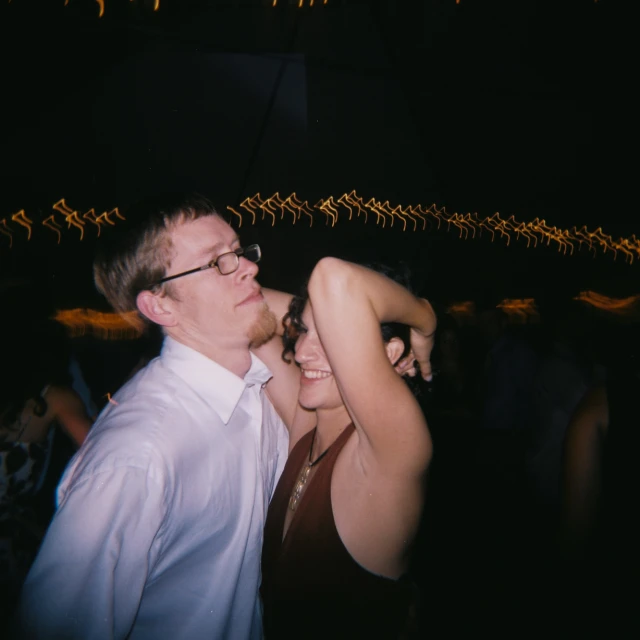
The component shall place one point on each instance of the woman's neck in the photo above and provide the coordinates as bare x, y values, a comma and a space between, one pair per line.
331, 423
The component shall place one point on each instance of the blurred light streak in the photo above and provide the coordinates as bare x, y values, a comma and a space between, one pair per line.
110, 399
237, 214
101, 5
519, 310
21, 219
107, 326
522, 310
350, 206
70, 216
628, 307
53, 225
6, 232
462, 312
91, 217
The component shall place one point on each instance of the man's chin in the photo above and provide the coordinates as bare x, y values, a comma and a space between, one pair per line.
263, 329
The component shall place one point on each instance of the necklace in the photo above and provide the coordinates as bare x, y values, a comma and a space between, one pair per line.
304, 474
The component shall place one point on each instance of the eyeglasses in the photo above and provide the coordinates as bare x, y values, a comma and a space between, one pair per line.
225, 263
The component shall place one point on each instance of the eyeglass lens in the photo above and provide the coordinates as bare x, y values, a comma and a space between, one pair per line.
228, 262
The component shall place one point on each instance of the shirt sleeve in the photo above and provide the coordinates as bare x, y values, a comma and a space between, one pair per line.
89, 575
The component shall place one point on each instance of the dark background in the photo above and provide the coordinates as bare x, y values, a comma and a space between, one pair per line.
524, 108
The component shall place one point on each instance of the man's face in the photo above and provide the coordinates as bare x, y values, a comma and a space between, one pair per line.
212, 309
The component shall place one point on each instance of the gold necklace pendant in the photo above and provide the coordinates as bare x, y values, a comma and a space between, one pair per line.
296, 494
297, 490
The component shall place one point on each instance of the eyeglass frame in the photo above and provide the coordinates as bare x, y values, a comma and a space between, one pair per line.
239, 252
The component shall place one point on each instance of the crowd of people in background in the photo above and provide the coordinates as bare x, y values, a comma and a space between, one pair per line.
533, 481
531, 485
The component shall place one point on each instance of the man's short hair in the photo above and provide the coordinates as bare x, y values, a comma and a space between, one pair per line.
136, 258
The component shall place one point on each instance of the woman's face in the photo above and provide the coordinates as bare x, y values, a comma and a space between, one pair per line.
318, 387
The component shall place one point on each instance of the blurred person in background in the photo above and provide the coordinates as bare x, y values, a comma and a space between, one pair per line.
43, 421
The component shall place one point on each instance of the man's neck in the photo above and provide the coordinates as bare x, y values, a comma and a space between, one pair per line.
234, 357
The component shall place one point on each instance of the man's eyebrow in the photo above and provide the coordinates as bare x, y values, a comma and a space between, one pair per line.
217, 247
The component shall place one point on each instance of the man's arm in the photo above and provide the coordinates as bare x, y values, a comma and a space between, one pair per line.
88, 578
349, 302
283, 388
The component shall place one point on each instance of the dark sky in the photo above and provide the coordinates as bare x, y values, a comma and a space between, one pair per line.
519, 107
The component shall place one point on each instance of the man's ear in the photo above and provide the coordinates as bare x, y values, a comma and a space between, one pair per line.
157, 308
394, 349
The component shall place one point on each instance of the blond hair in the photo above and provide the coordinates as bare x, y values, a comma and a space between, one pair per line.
137, 259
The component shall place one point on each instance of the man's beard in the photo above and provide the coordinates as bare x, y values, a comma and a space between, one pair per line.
263, 329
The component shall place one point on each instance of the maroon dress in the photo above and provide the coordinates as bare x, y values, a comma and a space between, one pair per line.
311, 586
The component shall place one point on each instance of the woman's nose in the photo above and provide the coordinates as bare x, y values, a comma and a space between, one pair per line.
301, 349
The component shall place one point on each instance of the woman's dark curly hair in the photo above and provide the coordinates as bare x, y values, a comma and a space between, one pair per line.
294, 326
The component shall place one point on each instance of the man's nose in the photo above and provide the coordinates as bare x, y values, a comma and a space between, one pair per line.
247, 268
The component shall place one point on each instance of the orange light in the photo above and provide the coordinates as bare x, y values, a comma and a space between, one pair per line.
21, 219
521, 310
627, 307
461, 311
411, 218
108, 326
6, 232
53, 225
110, 399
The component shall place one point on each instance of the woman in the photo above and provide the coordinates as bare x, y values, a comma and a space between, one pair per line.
26, 433
35, 398
345, 513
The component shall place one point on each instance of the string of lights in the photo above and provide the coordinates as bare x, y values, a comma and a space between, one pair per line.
299, 4
72, 217
350, 207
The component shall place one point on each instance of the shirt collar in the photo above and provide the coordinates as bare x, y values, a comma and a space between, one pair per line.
218, 387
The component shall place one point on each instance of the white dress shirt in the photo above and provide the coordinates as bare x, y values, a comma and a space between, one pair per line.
158, 532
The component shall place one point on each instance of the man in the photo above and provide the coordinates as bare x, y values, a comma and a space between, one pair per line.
159, 526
